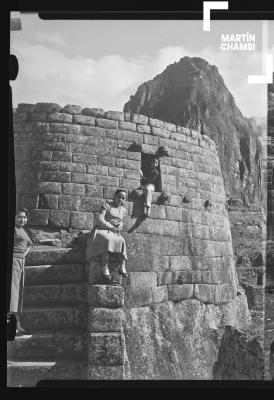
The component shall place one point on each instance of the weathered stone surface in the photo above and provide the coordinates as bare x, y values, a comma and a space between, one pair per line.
100, 372
128, 126
104, 320
45, 295
139, 119
93, 112
48, 318
72, 109
106, 348
59, 218
83, 120
38, 217
94, 191
142, 279
105, 296
159, 294
74, 293
106, 123
48, 345
145, 129
73, 189
53, 274
46, 107
43, 255
180, 263
69, 203
205, 293
38, 117
24, 107
178, 292
60, 117
64, 128
175, 340
81, 220
240, 357
138, 297
116, 115
83, 178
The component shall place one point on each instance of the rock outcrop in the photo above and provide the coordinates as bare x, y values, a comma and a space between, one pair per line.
193, 94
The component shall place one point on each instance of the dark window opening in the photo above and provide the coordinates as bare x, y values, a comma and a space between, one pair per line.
145, 166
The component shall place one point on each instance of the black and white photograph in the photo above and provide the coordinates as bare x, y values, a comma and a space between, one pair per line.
144, 224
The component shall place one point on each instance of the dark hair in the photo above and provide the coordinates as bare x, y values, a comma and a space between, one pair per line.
21, 210
120, 191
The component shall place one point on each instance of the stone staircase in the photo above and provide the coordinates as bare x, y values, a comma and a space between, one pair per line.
55, 317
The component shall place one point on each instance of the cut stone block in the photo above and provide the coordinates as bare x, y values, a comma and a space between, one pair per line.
72, 109
59, 218
104, 320
42, 295
105, 296
159, 294
178, 292
142, 279
42, 255
106, 348
60, 117
38, 217
205, 293
47, 345
138, 297
46, 107
52, 274
74, 293
48, 318
81, 220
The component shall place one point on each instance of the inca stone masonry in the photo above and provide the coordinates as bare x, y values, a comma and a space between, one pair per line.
166, 321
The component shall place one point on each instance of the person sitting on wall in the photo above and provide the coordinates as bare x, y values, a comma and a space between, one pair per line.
148, 184
21, 247
105, 237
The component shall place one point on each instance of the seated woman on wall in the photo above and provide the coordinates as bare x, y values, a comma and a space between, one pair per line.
21, 247
148, 185
105, 237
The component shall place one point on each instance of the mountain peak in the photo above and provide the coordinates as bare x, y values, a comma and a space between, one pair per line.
192, 93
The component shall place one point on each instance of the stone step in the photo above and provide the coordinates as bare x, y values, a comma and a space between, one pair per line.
49, 274
53, 318
46, 345
28, 373
47, 295
45, 255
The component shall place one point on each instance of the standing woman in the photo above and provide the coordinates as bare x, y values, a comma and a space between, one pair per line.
105, 237
22, 244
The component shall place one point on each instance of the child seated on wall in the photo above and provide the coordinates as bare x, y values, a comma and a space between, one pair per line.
148, 184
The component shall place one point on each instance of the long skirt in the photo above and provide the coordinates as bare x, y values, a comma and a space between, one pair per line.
102, 241
17, 285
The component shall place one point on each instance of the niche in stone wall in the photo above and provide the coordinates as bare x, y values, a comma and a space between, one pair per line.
145, 167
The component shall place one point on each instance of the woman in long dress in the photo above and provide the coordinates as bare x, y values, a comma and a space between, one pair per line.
22, 244
105, 238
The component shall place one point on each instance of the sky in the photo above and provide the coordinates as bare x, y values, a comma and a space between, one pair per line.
100, 63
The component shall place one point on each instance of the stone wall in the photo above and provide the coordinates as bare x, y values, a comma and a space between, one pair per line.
182, 277
69, 160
